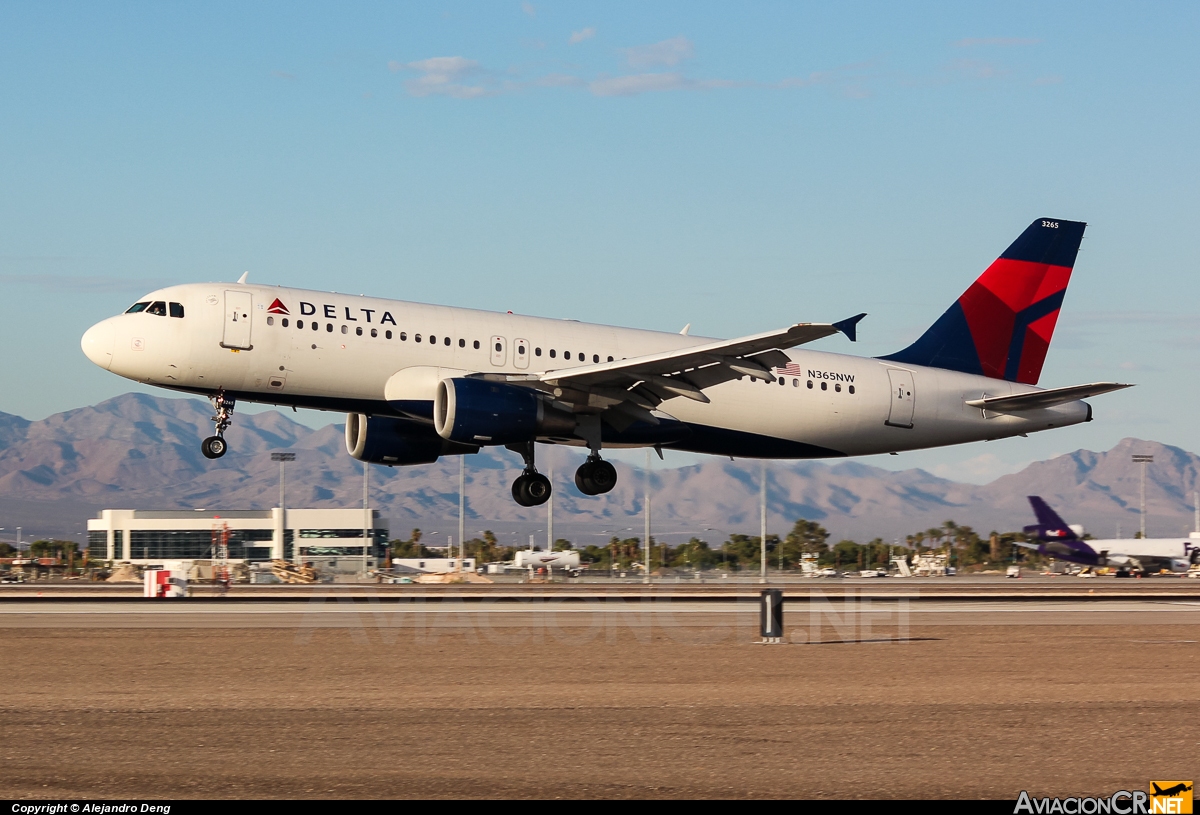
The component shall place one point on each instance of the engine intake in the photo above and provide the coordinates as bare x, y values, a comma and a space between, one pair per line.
384, 440
476, 411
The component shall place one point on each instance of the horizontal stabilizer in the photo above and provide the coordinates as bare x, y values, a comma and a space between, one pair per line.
1034, 400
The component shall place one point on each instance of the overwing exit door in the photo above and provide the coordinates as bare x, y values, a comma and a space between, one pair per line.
237, 319
900, 414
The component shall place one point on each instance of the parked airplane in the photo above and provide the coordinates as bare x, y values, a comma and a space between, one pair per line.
421, 381
1057, 539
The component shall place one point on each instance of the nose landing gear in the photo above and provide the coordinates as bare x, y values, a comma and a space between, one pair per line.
215, 446
595, 476
531, 488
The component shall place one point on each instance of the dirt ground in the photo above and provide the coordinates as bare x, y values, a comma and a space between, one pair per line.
958, 711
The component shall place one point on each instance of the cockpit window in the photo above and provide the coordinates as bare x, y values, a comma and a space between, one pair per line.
158, 307
136, 307
176, 309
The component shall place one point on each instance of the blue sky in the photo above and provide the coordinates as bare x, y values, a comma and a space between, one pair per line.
736, 166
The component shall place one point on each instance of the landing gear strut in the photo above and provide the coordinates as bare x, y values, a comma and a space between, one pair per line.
215, 446
595, 476
531, 488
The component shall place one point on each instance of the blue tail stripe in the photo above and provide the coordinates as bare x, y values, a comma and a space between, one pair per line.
947, 344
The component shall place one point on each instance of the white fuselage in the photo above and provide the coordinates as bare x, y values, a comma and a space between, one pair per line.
335, 353
1176, 554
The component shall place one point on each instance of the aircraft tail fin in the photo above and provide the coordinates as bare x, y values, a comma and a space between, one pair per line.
1049, 525
1002, 325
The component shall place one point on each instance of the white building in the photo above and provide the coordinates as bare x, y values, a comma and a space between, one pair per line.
332, 538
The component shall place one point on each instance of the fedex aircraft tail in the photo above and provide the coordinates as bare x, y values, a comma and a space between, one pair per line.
1001, 326
1049, 525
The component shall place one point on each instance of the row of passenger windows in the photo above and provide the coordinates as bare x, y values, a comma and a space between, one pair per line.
837, 386
158, 307
431, 339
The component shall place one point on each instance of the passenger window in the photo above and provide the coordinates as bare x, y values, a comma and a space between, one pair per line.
358, 330
838, 387
416, 337
299, 324
566, 354
851, 389
795, 383
782, 381
476, 345
345, 330
270, 320
824, 386
462, 343
158, 307
329, 327
432, 340
374, 332
595, 357
136, 307
284, 321
446, 341
551, 353
610, 359
388, 334
810, 384
315, 326
537, 352
177, 310
403, 336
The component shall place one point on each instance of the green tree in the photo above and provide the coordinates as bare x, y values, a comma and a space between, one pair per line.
53, 548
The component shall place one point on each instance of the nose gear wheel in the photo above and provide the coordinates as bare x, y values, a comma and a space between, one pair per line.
215, 446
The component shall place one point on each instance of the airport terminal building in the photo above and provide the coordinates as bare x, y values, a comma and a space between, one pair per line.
304, 535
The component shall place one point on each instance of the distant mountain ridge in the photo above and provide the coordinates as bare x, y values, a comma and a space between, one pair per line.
141, 451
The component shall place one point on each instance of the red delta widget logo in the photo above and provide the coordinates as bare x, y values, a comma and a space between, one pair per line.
330, 312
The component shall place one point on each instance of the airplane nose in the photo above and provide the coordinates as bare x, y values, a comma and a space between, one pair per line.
98, 342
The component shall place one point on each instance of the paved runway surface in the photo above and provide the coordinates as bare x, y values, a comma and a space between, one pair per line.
374, 698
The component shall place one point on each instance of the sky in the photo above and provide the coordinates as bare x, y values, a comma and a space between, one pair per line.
737, 166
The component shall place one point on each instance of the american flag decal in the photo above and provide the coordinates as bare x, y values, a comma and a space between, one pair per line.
791, 369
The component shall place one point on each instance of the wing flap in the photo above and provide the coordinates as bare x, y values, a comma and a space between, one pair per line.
706, 365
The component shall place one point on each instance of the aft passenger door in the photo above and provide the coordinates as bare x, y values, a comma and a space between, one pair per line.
237, 319
900, 412
521, 354
499, 351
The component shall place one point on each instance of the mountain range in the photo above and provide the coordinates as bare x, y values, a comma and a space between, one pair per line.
143, 452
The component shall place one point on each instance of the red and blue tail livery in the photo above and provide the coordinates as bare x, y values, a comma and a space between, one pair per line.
1002, 325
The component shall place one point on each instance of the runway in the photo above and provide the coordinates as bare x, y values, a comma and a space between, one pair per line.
809, 616
360, 694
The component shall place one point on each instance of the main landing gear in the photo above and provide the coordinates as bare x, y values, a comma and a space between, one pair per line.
531, 488
215, 446
595, 476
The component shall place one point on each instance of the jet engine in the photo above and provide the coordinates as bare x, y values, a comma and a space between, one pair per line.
477, 411
384, 440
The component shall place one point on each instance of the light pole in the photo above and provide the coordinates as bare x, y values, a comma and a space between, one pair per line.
1143, 460
646, 577
282, 458
462, 492
762, 498
366, 515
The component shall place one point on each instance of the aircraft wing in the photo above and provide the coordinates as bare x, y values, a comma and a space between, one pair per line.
1034, 400
649, 380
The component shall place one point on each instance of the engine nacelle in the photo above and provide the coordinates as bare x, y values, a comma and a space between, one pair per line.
476, 411
384, 440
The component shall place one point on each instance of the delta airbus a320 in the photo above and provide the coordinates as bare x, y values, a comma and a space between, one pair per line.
422, 381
